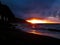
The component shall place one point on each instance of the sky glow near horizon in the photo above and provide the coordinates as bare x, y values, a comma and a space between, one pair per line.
33, 8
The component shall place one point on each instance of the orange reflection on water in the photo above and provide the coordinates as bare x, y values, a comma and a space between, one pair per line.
34, 32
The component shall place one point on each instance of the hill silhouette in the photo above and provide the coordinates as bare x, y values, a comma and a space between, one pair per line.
16, 36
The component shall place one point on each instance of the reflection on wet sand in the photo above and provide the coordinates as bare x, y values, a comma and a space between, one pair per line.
45, 33
34, 32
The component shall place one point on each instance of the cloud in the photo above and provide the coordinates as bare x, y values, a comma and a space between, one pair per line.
23, 8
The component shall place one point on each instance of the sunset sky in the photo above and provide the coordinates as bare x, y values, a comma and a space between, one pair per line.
33, 8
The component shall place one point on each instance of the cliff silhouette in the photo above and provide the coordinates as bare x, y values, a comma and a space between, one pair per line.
16, 36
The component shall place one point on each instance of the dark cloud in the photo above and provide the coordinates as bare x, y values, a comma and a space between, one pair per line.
23, 8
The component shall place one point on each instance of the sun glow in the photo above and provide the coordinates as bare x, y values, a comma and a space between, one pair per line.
35, 21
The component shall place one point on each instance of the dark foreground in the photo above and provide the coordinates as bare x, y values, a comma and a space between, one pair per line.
14, 36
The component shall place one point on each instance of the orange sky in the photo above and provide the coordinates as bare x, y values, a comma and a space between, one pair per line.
40, 20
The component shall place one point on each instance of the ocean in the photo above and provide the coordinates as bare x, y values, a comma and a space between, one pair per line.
51, 30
